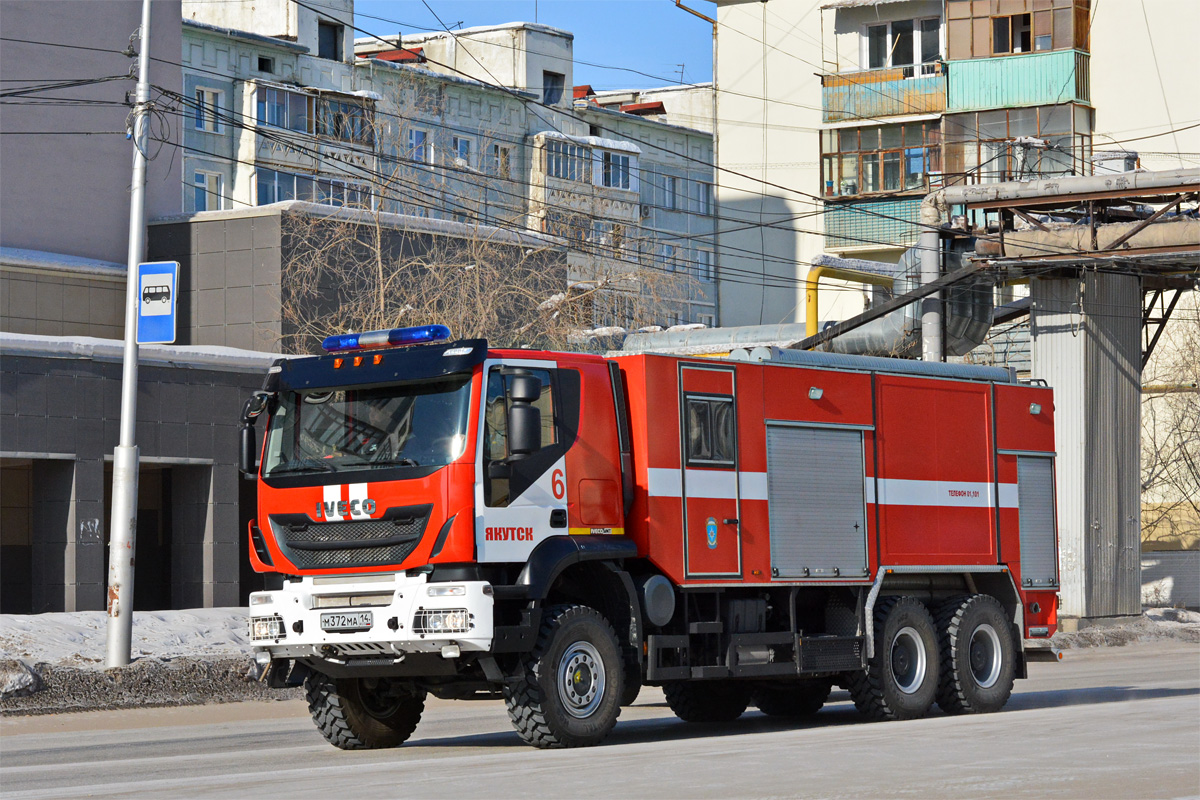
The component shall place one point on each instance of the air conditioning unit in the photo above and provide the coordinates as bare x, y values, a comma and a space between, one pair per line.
645, 210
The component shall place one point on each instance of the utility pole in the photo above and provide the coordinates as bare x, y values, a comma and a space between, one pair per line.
123, 541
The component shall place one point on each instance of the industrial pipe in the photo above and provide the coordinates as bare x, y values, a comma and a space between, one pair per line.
812, 286
933, 209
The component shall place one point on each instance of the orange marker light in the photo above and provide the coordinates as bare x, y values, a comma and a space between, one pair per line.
377, 359
337, 363
358, 361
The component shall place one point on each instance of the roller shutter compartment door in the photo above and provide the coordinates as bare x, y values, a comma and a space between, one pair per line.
817, 505
1035, 499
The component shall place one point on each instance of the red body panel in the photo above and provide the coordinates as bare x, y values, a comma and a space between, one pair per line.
939, 462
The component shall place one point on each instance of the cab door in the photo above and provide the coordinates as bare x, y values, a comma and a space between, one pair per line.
520, 501
708, 435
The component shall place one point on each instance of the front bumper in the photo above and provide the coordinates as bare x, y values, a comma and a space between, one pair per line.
405, 618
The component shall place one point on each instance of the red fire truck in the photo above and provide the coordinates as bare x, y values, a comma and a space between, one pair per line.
561, 529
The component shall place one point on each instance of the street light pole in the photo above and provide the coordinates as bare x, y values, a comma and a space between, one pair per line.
122, 543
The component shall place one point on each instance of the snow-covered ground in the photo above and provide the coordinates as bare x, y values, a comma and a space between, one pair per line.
78, 638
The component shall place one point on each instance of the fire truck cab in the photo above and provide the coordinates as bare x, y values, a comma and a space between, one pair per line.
559, 529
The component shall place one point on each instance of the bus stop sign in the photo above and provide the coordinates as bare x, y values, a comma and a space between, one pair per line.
157, 284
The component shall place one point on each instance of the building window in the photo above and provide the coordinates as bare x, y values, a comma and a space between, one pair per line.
668, 257
670, 192
572, 227
1012, 34
608, 237
283, 109
568, 161
207, 191
208, 110
329, 41
334, 192
266, 64
1018, 143
707, 320
888, 158
420, 149
913, 44
704, 266
552, 87
704, 198
616, 170
462, 151
501, 162
344, 119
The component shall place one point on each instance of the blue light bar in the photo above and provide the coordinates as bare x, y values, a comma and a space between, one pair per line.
422, 334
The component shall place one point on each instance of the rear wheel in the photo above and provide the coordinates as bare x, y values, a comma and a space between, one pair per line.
570, 687
901, 678
978, 668
707, 701
792, 701
363, 713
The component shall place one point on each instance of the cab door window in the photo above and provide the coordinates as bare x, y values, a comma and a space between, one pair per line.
509, 479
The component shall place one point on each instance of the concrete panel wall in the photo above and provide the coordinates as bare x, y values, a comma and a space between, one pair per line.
1171, 578
60, 416
68, 192
61, 304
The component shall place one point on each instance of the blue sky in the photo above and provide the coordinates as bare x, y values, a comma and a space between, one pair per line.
650, 36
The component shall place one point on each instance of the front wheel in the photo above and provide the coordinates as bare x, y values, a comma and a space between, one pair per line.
569, 689
363, 713
977, 655
901, 679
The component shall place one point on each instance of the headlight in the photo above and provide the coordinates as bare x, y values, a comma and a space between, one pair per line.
260, 599
263, 628
445, 620
439, 590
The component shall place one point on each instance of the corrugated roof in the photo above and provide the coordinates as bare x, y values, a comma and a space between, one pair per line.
644, 108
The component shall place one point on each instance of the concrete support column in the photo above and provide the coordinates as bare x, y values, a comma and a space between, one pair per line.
1086, 345
53, 522
90, 554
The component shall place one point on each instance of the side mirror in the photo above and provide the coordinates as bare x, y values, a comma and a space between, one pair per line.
254, 406
524, 429
524, 389
248, 451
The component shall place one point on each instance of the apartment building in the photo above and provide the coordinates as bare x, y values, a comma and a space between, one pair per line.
836, 118
478, 126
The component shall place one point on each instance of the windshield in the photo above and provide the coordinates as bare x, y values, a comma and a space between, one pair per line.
342, 430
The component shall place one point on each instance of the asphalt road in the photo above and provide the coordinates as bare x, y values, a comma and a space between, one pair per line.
1114, 722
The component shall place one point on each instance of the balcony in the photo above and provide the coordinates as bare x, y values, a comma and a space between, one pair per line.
1032, 79
875, 93
872, 225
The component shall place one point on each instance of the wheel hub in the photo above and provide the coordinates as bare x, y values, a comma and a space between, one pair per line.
908, 660
984, 656
581, 679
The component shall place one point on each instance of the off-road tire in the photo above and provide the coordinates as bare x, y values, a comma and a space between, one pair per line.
978, 659
344, 715
707, 701
900, 622
535, 701
794, 700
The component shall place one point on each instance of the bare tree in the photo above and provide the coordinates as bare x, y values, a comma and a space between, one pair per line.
1171, 435
361, 267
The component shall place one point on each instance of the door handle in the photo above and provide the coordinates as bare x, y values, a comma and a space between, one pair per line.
731, 521
558, 518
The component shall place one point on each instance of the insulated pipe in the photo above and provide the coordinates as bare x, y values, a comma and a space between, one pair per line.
932, 208
812, 285
1059, 187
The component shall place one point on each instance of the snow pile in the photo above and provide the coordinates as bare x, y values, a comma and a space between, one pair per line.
78, 638
1153, 624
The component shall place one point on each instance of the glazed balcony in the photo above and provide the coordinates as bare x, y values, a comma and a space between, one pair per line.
893, 92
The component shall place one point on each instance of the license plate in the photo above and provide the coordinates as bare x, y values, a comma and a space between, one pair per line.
336, 621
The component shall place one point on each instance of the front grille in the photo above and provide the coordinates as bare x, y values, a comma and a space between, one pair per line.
386, 541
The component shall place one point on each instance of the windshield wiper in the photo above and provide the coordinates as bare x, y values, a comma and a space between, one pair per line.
304, 465
400, 462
